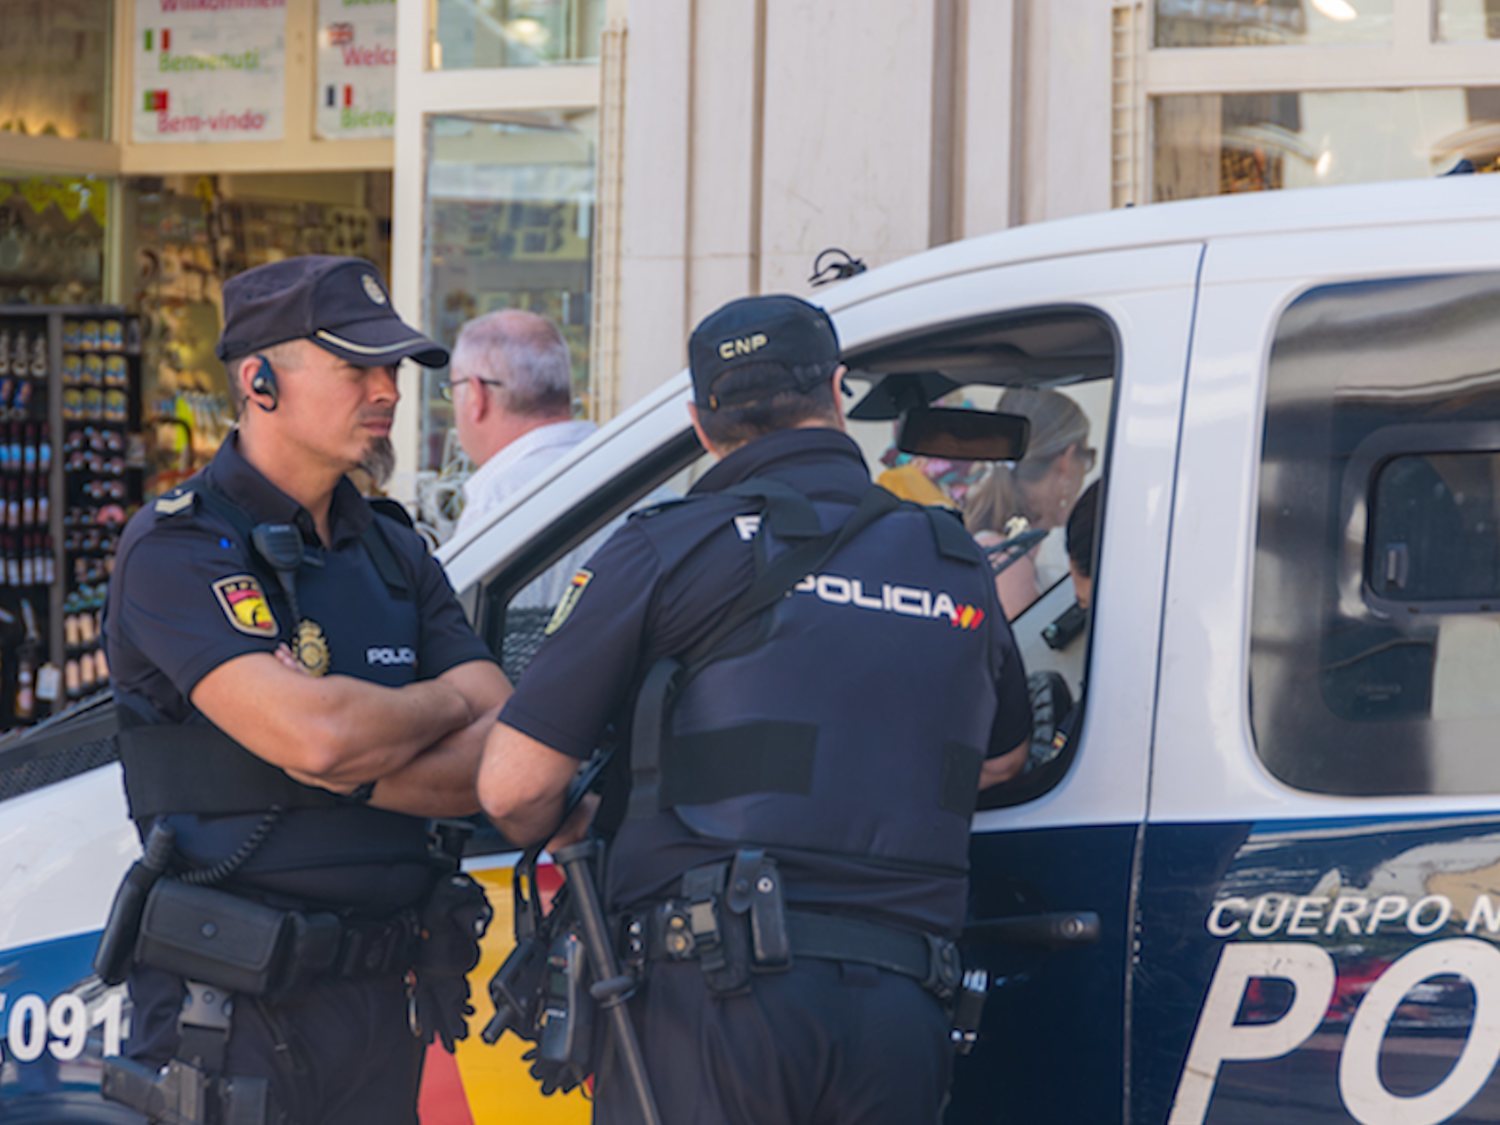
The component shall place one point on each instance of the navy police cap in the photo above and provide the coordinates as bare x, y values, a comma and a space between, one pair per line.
340, 304
776, 330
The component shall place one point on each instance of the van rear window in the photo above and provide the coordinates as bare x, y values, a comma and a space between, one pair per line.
1375, 609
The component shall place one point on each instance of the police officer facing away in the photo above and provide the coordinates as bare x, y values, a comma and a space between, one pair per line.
813, 680
298, 690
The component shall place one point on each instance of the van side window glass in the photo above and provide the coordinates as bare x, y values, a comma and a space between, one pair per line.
1020, 511
1375, 612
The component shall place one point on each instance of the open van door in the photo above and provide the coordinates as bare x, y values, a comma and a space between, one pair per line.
1053, 859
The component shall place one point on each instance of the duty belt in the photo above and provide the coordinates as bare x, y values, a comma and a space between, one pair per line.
377, 948
327, 942
733, 939
253, 949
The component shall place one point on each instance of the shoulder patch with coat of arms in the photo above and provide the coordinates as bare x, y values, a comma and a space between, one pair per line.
244, 603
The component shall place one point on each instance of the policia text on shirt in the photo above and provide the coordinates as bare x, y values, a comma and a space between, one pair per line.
788, 860
297, 927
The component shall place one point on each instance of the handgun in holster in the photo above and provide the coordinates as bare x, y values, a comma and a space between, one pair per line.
182, 1094
192, 1089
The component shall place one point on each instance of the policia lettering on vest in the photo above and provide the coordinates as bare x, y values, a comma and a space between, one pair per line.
801, 738
298, 694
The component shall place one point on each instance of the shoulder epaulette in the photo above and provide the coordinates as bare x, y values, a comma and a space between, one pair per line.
657, 508
175, 502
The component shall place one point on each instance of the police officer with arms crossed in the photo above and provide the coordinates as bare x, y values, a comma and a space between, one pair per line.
805, 752
298, 691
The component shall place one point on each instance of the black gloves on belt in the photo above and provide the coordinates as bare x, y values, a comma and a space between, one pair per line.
453, 920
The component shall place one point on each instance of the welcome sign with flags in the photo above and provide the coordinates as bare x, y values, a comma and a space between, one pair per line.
209, 71
356, 69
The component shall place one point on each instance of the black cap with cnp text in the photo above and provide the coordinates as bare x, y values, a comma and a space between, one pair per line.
777, 330
340, 304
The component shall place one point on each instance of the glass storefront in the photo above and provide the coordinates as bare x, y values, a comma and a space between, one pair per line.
52, 239
509, 223
55, 56
1254, 23
183, 238
1459, 20
1215, 144
471, 34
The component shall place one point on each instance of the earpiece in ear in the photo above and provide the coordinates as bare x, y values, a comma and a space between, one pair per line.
263, 382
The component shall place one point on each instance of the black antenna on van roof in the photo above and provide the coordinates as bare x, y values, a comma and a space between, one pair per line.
842, 268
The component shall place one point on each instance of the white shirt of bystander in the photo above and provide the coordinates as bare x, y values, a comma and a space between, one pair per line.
519, 463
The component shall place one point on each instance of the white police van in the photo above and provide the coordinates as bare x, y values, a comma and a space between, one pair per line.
1263, 877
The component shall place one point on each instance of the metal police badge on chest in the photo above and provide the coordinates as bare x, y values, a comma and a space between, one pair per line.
244, 603
569, 601
312, 648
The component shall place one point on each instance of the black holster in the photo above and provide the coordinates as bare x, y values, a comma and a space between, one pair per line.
182, 1094
192, 1088
117, 942
731, 918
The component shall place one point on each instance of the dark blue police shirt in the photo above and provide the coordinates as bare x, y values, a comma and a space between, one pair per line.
630, 612
166, 627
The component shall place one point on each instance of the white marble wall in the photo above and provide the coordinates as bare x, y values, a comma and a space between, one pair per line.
758, 132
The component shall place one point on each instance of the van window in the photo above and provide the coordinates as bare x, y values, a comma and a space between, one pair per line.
1375, 614
1056, 368
1435, 531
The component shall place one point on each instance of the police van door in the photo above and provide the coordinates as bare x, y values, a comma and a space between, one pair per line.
1320, 903
1094, 351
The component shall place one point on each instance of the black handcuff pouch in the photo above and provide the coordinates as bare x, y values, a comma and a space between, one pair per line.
207, 935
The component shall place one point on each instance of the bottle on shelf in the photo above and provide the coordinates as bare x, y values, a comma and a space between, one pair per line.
26, 666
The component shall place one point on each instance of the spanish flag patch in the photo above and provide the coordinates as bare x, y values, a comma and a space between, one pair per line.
569, 601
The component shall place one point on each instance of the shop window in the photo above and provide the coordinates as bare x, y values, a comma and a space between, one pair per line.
52, 234
1218, 144
1375, 611
470, 34
182, 239
1468, 19
509, 223
55, 56
1257, 23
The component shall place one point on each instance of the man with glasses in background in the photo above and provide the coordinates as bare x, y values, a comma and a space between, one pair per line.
511, 386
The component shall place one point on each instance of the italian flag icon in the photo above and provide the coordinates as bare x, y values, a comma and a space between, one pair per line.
161, 39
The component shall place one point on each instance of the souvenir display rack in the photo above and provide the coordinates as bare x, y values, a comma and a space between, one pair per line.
71, 469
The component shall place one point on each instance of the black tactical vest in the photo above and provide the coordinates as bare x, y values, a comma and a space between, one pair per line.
194, 767
852, 715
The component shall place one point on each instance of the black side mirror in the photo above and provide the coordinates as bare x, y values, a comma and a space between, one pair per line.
963, 435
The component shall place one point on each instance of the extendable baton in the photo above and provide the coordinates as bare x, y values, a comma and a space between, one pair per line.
610, 988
